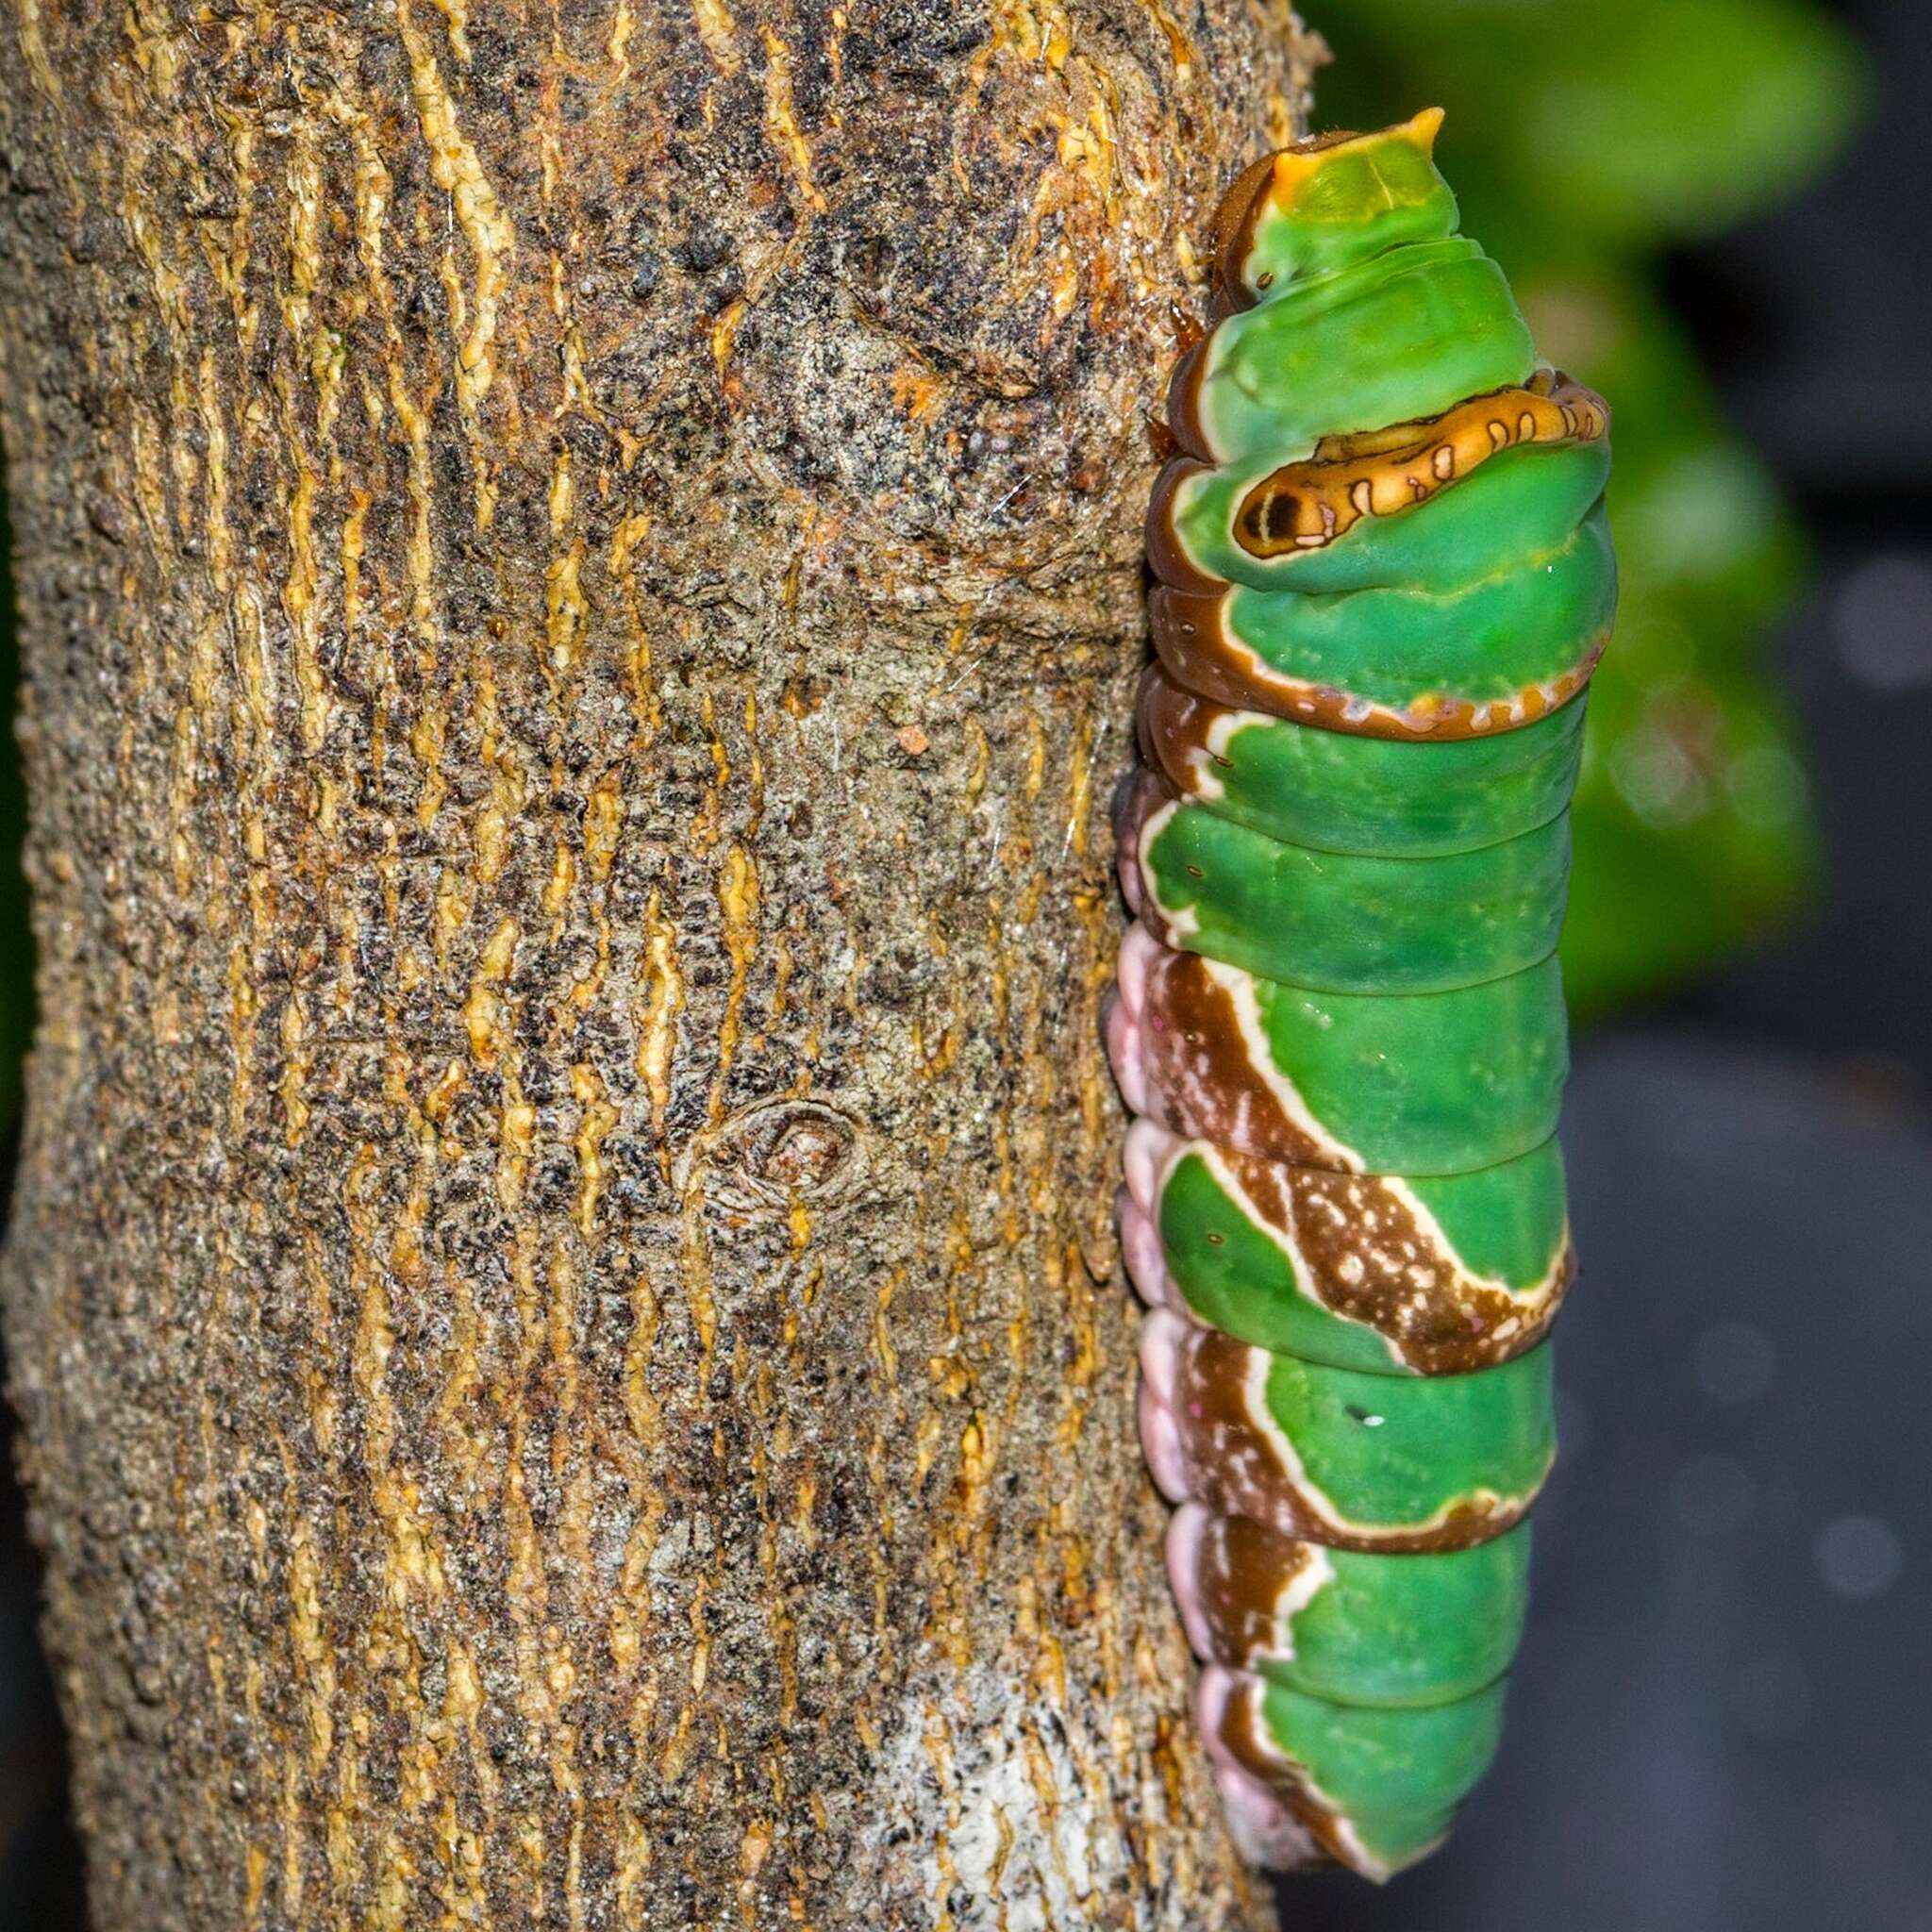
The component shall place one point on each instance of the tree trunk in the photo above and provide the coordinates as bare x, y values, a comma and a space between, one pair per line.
579, 572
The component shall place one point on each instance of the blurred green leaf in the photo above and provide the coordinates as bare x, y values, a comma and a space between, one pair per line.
1581, 141
1681, 117
1692, 826
1644, 123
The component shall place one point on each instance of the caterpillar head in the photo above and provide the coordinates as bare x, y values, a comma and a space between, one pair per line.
1327, 202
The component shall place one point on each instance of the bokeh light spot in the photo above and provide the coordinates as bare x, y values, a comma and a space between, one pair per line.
1860, 1557
1881, 621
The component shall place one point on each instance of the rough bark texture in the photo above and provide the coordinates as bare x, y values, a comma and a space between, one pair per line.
579, 571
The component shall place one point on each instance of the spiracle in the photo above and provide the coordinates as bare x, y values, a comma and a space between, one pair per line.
1384, 578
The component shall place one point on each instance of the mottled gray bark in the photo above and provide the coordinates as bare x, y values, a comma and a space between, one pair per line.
579, 576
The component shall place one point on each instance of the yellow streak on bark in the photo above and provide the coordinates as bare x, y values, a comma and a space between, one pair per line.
458, 16
565, 609
484, 1013
297, 1063
593, 1128
33, 48
719, 32
663, 1002
622, 25
781, 119
737, 897
488, 230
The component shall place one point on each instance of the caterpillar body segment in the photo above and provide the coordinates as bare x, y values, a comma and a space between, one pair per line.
1333, 791
1384, 578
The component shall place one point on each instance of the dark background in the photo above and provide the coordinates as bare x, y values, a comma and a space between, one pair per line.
1720, 1720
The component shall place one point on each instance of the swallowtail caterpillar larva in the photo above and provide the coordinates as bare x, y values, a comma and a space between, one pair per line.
1384, 578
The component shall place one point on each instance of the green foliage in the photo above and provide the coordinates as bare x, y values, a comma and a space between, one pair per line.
1583, 140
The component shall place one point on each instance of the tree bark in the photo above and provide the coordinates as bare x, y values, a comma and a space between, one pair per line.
580, 573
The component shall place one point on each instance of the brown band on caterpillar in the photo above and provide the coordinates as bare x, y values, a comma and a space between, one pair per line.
1141, 795
1232, 1462
1372, 1259
1234, 231
1200, 1074
1242, 1736
1240, 1572
1167, 557
1307, 504
1233, 222
1172, 725
1194, 644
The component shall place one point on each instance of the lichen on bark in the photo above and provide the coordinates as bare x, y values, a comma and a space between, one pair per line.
579, 581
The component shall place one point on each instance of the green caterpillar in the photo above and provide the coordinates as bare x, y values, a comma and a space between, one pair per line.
1340, 1016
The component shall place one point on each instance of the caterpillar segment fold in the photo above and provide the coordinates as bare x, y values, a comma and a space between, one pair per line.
1384, 577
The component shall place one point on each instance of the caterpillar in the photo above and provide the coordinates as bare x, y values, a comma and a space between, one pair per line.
1383, 577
